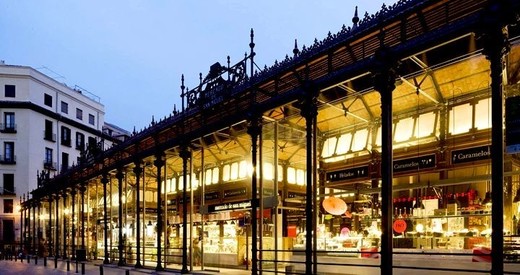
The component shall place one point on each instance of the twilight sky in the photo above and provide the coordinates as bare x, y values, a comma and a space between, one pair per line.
132, 53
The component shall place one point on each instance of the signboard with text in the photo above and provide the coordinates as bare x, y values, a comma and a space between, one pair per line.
416, 163
471, 154
348, 174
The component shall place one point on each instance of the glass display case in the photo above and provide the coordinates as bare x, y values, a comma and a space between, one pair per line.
220, 244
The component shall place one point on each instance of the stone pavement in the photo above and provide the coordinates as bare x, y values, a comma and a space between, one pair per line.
12, 267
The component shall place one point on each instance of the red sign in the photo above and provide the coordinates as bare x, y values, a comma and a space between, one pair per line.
399, 226
291, 231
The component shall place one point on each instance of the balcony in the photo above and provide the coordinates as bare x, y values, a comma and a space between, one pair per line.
49, 136
9, 159
49, 165
8, 191
66, 142
65, 167
9, 128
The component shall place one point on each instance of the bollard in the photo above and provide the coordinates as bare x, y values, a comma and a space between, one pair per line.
100, 270
21, 259
35, 260
82, 268
44, 261
127, 272
68, 265
28, 259
77, 266
55, 262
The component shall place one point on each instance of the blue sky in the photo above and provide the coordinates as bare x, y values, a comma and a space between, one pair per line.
132, 53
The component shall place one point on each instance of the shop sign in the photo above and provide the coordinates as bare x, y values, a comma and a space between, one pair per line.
295, 195
268, 192
212, 195
181, 200
348, 174
513, 125
471, 154
234, 192
230, 206
416, 163
399, 226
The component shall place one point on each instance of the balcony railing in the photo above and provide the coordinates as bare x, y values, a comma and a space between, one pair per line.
8, 128
80, 147
49, 165
65, 142
8, 191
7, 159
49, 136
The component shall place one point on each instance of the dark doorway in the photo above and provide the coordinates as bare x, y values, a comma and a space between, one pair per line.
8, 231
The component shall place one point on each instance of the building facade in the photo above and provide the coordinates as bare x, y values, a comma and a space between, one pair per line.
45, 127
388, 147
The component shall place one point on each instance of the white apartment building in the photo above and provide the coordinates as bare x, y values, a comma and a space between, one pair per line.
44, 126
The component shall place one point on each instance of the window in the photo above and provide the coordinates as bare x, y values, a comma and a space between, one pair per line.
10, 91
92, 142
9, 126
79, 114
344, 143
47, 100
64, 107
8, 184
48, 134
65, 136
64, 161
91, 119
328, 147
9, 151
404, 129
483, 114
8, 205
80, 141
460, 119
47, 162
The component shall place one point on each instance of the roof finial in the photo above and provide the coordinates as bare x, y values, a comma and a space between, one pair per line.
295, 51
355, 19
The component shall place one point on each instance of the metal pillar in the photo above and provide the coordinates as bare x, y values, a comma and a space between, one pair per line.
309, 110
72, 218
57, 228
185, 155
49, 234
254, 130
33, 245
104, 181
495, 47
64, 195
27, 244
384, 82
137, 171
82, 190
120, 246
22, 223
159, 162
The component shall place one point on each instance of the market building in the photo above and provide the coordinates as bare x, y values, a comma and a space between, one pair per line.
388, 147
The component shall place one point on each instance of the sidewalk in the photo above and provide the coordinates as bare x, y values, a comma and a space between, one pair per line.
12, 267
